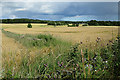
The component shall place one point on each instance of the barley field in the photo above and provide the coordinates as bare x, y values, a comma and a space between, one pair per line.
74, 34
45, 51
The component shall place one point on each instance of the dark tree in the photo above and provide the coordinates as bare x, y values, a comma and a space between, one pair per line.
77, 24
29, 25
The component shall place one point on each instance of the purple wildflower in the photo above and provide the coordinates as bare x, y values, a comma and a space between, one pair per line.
77, 65
58, 63
45, 65
97, 41
98, 38
61, 63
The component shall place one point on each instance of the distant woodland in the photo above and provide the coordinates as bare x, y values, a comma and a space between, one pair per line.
74, 23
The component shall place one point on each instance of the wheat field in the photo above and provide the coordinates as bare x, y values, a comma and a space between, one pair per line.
74, 34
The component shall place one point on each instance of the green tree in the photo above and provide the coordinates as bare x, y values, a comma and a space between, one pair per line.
29, 25
77, 24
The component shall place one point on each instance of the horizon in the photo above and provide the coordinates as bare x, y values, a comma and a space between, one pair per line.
59, 20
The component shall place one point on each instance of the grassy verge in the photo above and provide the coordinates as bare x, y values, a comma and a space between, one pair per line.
64, 61
38, 41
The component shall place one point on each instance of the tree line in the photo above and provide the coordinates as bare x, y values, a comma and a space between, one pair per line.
74, 23
103, 23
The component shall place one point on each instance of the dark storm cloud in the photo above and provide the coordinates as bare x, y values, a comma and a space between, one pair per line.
91, 8
62, 10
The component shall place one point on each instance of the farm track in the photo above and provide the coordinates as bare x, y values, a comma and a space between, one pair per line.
10, 45
13, 50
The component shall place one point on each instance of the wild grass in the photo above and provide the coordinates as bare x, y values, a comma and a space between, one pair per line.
64, 61
38, 41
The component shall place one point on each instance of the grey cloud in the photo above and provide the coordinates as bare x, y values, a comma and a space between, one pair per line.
60, 10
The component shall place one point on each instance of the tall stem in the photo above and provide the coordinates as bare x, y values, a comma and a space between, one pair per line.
83, 63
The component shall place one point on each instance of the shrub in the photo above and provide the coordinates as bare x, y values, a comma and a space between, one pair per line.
85, 25
29, 25
73, 25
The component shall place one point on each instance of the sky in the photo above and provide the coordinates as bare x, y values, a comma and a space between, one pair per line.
61, 11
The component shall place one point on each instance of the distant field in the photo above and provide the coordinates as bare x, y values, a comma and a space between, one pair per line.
74, 34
